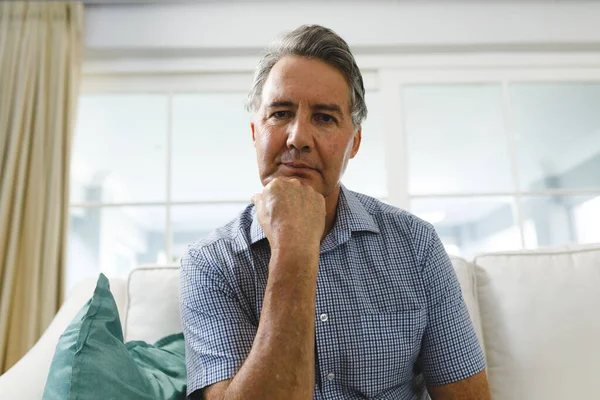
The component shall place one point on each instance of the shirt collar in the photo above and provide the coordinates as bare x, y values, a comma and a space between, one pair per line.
351, 217
356, 213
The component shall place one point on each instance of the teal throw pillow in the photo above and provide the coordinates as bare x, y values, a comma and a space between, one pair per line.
91, 361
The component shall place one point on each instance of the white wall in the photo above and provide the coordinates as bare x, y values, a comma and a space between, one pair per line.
244, 27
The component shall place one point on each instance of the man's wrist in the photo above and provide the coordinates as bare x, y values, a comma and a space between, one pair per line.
296, 257
295, 247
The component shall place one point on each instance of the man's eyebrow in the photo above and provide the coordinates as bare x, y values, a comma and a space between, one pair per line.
281, 103
328, 107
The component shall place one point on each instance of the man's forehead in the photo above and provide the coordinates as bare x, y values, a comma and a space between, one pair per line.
300, 79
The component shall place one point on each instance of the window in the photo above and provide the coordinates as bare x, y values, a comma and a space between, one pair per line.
495, 159
212, 156
586, 215
366, 173
471, 225
455, 134
112, 239
557, 127
119, 152
535, 144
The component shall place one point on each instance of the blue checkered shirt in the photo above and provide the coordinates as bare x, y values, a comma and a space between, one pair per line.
390, 313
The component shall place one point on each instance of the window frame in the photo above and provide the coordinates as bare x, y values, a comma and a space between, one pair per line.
386, 74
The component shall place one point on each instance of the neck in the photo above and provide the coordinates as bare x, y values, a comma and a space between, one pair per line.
331, 203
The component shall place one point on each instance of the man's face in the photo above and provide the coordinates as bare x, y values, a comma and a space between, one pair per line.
303, 128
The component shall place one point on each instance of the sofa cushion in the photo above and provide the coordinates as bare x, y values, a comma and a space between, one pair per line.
465, 272
539, 313
91, 358
153, 303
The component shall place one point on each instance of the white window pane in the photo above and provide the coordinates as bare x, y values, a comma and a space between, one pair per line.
213, 153
190, 223
558, 130
563, 220
114, 240
587, 216
366, 171
119, 152
456, 139
468, 226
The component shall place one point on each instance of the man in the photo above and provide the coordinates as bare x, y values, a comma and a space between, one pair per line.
315, 291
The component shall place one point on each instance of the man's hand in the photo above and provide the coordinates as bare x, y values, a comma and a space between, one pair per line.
290, 213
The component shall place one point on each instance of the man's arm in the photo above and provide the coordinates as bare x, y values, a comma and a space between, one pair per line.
281, 362
450, 349
472, 388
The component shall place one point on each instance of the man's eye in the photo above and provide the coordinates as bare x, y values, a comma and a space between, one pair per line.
280, 114
325, 118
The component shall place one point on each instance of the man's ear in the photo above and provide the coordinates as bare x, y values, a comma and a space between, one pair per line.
252, 127
356, 141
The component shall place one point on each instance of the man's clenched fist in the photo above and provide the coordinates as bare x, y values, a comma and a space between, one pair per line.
291, 214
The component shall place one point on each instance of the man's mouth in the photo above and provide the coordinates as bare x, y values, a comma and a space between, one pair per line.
298, 165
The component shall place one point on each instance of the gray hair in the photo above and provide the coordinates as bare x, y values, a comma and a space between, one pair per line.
318, 42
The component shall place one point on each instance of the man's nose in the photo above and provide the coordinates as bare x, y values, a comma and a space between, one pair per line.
300, 135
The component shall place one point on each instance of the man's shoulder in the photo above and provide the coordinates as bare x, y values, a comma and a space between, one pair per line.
213, 262
226, 239
410, 235
395, 218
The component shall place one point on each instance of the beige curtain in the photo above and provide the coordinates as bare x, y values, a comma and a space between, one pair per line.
40, 57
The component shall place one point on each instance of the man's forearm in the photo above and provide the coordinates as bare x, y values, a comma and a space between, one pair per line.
475, 387
281, 362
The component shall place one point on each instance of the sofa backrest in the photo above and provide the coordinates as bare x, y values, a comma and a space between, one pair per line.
465, 272
153, 303
540, 314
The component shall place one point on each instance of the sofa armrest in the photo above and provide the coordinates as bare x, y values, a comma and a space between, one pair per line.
27, 378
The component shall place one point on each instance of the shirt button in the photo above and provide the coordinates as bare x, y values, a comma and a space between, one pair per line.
330, 376
324, 317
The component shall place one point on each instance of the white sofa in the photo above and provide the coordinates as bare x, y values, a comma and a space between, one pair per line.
537, 314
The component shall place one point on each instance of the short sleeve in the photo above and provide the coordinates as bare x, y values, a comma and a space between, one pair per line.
450, 350
218, 333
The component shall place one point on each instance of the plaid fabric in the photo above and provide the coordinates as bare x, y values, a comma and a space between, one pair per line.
390, 313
